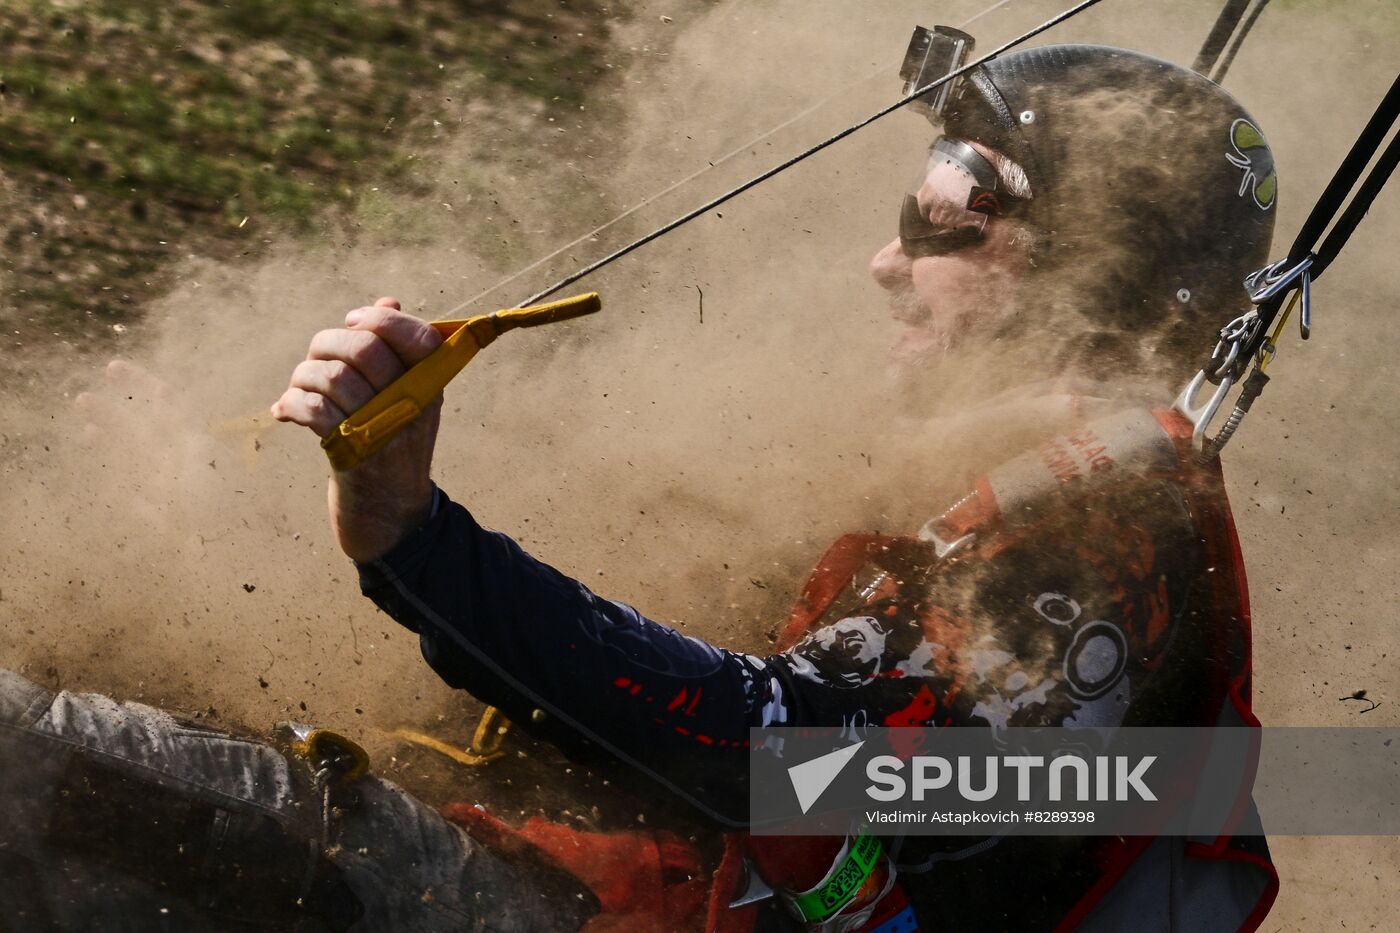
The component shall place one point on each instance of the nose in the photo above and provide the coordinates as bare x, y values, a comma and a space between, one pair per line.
890, 267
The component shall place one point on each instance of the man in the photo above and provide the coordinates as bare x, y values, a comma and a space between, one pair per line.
1088, 213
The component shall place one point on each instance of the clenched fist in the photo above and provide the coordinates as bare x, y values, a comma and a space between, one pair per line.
374, 505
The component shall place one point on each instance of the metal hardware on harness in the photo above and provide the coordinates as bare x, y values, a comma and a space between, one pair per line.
1200, 417
1223, 369
1234, 337
1272, 280
1243, 341
1245, 338
756, 890
1253, 386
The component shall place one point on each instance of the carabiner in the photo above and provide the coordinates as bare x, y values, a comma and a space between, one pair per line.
1201, 417
1269, 281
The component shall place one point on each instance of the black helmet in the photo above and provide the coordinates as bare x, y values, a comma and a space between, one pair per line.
1146, 177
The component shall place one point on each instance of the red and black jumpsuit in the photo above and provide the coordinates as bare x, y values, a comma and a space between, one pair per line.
1100, 585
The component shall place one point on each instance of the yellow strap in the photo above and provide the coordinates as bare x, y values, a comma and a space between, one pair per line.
461, 756
486, 744
1271, 344
490, 734
365, 433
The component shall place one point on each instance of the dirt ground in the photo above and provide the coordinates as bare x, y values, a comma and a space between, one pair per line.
694, 448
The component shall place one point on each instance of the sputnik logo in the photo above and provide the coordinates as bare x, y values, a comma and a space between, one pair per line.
811, 778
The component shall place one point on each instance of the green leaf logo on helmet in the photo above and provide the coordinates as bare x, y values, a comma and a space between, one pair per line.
1253, 156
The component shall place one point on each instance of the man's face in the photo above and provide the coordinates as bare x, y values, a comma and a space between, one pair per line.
943, 298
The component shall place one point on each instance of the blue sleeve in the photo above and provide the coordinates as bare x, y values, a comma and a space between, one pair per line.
524, 637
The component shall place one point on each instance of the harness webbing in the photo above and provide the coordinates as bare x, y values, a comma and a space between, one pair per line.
1250, 338
1325, 212
1380, 124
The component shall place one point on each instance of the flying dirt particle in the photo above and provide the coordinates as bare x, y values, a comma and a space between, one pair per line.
248, 587
1360, 695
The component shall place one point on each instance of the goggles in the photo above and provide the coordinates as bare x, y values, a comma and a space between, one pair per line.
970, 193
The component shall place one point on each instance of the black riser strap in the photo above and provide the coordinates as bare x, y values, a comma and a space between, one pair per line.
1219, 35
1358, 207
1347, 173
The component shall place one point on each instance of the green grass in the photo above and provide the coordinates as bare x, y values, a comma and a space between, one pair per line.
143, 121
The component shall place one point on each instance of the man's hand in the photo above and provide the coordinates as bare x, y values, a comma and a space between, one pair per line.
374, 505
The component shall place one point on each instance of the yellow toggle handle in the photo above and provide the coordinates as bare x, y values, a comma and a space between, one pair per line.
365, 432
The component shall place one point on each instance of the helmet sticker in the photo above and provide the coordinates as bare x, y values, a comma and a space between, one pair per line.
1253, 156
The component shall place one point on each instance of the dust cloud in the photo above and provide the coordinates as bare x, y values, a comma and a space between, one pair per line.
695, 447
